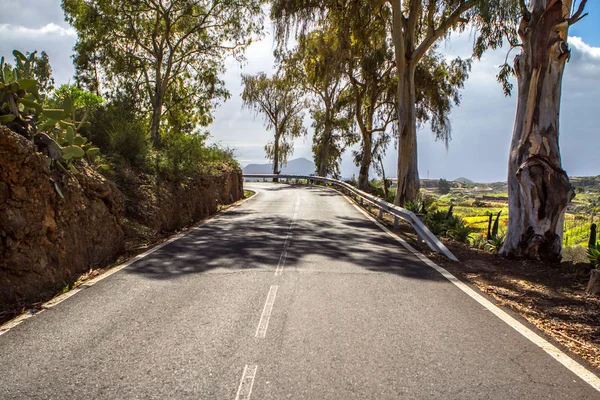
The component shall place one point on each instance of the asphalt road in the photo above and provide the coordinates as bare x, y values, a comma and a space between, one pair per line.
292, 295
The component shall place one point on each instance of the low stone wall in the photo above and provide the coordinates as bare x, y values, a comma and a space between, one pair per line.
46, 241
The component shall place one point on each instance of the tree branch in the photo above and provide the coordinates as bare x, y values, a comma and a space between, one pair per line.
444, 26
575, 18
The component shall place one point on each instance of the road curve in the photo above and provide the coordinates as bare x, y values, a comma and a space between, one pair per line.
294, 294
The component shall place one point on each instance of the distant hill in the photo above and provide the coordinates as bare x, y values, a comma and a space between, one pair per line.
299, 166
463, 180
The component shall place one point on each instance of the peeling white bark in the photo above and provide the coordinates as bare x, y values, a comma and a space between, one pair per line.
538, 188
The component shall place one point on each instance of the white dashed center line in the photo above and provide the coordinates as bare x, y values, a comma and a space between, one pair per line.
245, 390
263, 324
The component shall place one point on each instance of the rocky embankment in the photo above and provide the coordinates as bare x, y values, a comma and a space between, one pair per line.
47, 240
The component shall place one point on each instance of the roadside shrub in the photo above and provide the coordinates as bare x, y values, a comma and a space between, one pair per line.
437, 228
460, 232
413, 206
479, 203
185, 154
494, 244
478, 242
129, 140
443, 186
593, 255
391, 196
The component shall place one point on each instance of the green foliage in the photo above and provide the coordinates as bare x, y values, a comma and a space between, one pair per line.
443, 186
170, 53
422, 205
20, 98
493, 229
479, 242
21, 104
282, 104
460, 232
438, 83
593, 255
186, 155
63, 127
413, 206
438, 216
129, 140
495, 244
316, 64
84, 102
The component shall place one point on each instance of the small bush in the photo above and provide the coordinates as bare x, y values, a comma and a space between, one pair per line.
186, 154
478, 242
494, 244
129, 140
593, 255
443, 186
460, 233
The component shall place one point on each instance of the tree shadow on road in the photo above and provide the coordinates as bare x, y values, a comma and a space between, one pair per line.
247, 240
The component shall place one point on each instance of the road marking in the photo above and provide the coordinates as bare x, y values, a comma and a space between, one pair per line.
59, 299
263, 324
245, 390
286, 243
583, 373
281, 264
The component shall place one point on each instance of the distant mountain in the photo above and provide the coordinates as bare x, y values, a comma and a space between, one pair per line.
299, 166
463, 180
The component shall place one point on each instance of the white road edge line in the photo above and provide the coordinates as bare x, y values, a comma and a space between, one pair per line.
263, 324
7, 326
583, 373
245, 389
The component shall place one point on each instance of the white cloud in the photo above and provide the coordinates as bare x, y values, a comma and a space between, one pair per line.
482, 124
9, 31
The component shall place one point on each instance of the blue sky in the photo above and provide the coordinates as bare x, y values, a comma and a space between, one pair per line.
482, 124
589, 27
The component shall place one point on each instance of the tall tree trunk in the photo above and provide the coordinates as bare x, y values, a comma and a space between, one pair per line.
385, 182
408, 174
324, 150
408, 169
365, 162
276, 157
157, 106
538, 188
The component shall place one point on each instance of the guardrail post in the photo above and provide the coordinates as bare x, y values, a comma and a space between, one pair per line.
380, 213
395, 222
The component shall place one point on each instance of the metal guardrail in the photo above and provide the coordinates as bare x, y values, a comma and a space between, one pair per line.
423, 232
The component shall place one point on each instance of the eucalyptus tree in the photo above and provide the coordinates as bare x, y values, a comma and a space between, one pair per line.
371, 71
380, 146
538, 188
280, 101
415, 28
154, 44
316, 64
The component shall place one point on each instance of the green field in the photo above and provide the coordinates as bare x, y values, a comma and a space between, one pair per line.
475, 211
